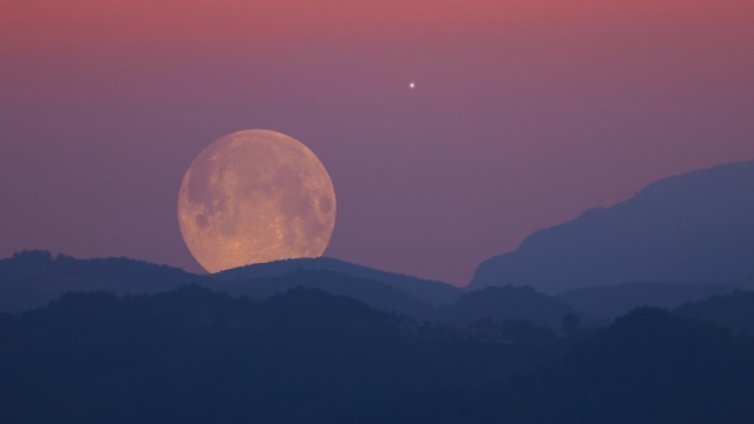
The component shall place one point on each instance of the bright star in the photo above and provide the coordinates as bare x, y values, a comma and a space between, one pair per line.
412, 85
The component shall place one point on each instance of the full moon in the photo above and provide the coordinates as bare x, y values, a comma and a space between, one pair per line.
255, 196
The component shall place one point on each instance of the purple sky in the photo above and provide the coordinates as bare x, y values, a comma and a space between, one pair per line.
524, 114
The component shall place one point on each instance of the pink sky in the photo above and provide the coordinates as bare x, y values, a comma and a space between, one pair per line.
525, 113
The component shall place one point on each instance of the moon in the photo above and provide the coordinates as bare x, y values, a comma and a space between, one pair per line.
255, 196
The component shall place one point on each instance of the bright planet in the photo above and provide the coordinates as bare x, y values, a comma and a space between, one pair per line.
255, 196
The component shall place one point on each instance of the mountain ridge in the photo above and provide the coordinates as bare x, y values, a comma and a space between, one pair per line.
31, 279
692, 228
431, 291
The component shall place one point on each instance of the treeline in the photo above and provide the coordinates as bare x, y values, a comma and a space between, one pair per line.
191, 355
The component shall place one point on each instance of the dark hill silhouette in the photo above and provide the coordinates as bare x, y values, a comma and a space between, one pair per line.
696, 228
733, 310
652, 367
612, 301
432, 292
647, 367
505, 303
372, 293
192, 355
511, 331
31, 279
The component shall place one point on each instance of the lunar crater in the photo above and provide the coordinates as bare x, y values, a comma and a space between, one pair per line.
255, 196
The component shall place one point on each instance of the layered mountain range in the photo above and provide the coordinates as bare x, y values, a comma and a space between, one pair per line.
682, 239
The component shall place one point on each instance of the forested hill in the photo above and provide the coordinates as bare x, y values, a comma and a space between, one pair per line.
192, 355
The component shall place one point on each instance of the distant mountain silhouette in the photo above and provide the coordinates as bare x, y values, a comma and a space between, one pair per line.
612, 301
733, 310
500, 304
696, 228
432, 292
373, 293
31, 279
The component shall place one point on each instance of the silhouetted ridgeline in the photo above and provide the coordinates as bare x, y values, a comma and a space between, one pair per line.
374, 293
505, 303
31, 279
612, 301
195, 356
431, 292
650, 367
695, 228
733, 310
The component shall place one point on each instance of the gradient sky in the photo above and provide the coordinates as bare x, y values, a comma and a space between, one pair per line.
525, 113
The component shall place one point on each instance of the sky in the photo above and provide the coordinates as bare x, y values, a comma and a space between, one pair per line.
525, 113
